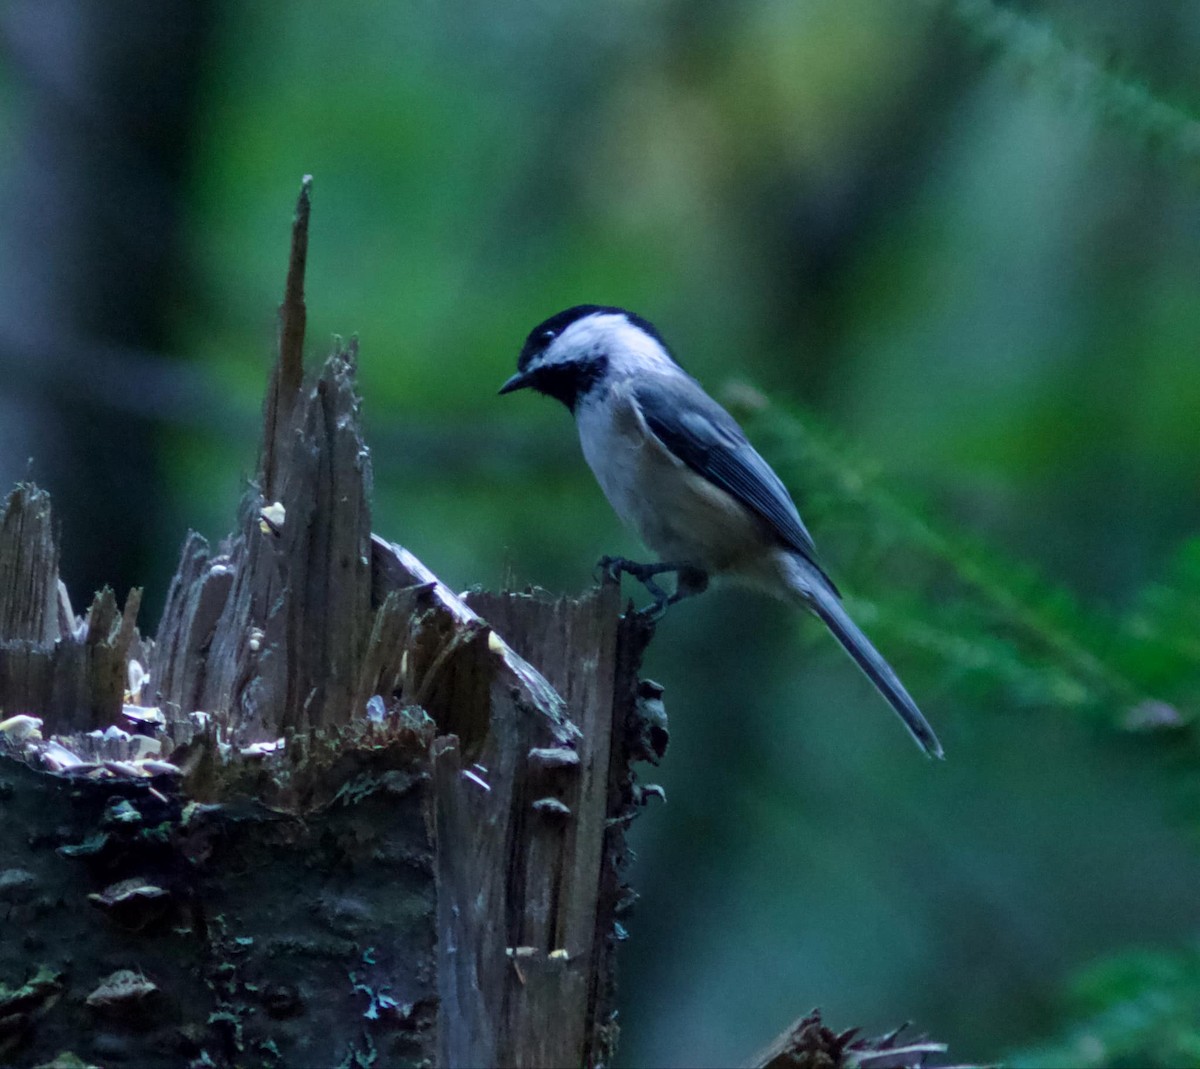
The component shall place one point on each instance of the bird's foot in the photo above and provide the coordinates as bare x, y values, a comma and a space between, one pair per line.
689, 580
611, 568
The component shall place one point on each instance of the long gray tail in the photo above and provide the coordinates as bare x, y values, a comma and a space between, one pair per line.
818, 595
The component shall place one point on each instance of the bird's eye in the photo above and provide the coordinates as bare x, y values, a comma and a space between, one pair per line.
548, 335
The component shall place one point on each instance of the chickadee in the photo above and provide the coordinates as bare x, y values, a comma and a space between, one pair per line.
677, 468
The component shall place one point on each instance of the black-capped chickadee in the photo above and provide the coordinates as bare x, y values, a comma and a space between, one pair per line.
677, 468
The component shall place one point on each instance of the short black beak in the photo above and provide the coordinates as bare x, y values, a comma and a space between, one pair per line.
519, 381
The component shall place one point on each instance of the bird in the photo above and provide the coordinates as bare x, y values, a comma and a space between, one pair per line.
678, 470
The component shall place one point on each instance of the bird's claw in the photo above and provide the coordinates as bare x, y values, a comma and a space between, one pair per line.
643, 794
655, 611
611, 568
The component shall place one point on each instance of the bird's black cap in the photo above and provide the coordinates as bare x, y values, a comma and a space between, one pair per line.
549, 329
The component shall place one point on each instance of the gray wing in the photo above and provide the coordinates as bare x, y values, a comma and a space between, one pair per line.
708, 440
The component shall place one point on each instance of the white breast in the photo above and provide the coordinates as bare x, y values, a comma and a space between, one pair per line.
678, 514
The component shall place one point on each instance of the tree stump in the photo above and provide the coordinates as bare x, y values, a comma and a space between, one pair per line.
333, 814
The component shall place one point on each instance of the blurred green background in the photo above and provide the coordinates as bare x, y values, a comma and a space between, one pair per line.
957, 246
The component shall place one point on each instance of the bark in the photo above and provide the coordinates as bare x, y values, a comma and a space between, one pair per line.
156, 932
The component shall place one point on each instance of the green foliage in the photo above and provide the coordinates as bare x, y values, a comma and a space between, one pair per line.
1164, 628
1034, 49
994, 624
1134, 1011
1013, 636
